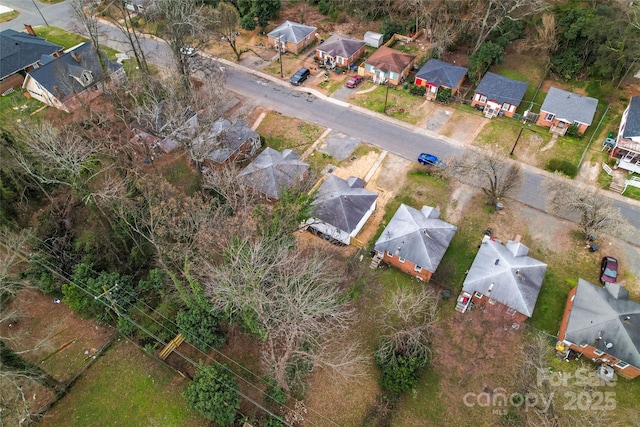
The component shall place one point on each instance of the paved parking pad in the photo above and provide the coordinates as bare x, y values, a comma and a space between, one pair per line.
436, 120
338, 145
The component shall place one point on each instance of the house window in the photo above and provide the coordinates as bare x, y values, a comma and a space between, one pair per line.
598, 353
492, 301
511, 311
622, 364
478, 295
401, 259
549, 117
417, 269
505, 106
483, 98
389, 254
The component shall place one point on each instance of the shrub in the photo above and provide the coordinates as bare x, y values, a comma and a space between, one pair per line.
443, 95
214, 393
399, 375
563, 166
417, 90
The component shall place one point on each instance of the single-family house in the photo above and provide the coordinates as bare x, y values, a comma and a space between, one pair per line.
340, 51
498, 95
292, 37
415, 241
435, 74
387, 65
341, 208
230, 141
604, 325
627, 148
272, 172
503, 276
561, 109
21, 53
69, 80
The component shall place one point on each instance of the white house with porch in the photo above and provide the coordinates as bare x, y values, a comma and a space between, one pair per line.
627, 148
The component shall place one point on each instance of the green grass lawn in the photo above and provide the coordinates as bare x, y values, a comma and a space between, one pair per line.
6, 17
400, 104
181, 175
125, 387
66, 39
15, 107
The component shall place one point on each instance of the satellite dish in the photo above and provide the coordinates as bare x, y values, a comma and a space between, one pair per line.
609, 345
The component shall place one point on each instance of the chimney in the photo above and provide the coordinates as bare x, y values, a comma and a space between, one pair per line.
29, 29
75, 57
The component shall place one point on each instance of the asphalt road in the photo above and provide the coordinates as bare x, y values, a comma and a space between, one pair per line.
394, 136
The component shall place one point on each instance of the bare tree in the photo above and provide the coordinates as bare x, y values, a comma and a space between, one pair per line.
545, 40
291, 301
58, 156
16, 375
165, 109
549, 398
497, 176
86, 12
589, 206
488, 15
183, 23
120, 16
407, 321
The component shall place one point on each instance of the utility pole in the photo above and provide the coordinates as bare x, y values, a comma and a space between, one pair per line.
41, 15
280, 51
107, 293
517, 139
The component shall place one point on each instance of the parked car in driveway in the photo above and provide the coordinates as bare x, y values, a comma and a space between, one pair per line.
608, 270
354, 81
300, 76
430, 160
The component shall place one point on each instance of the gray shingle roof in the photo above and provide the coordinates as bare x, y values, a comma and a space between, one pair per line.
341, 46
569, 107
291, 32
596, 313
19, 50
59, 76
632, 127
441, 73
342, 203
513, 277
417, 235
502, 89
229, 137
272, 172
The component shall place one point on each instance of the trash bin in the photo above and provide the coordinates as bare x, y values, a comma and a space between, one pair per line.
499, 206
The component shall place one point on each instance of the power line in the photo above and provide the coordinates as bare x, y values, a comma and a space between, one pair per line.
114, 306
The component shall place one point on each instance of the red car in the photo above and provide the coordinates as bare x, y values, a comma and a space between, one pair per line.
354, 81
608, 270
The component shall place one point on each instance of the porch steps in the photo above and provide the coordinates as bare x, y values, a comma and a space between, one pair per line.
616, 187
375, 261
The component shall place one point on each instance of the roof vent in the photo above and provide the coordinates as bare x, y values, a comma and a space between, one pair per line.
497, 261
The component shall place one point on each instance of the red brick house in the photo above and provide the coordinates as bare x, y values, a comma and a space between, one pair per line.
498, 96
561, 109
388, 65
340, 51
604, 325
503, 276
415, 241
627, 146
292, 37
435, 74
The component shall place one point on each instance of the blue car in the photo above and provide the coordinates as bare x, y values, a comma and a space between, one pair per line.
430, 159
